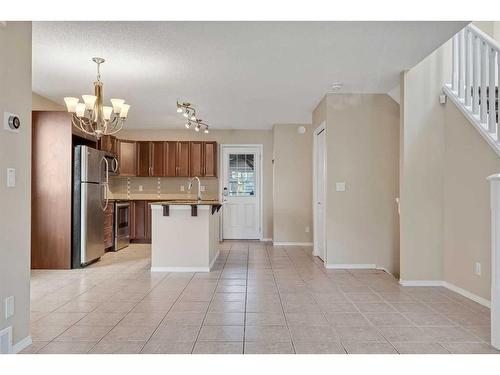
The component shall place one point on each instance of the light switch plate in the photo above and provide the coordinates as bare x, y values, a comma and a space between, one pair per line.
340, 186
9, 307
11, 177
202, 188
140, 188
182, 187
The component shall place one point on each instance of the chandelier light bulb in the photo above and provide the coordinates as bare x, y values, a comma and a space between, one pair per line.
71, 104
186, 114
197, 128
187, 125
206, 131
179, 109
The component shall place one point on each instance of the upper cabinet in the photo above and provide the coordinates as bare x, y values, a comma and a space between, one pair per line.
127, 158
163, 158
109, 143
210, 159
182, 161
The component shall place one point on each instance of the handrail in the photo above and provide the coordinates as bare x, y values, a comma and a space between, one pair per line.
474, 80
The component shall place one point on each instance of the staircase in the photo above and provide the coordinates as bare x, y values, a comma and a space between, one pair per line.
475, 81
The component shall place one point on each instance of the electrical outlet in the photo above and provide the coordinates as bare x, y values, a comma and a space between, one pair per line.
182, 187
202, 188
308, 229
11, 177
140, 188
340, 186
478, 269
9, 307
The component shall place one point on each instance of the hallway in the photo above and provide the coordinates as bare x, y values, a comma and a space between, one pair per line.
259, 299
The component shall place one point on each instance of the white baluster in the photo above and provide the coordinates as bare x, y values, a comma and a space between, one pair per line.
484, 71
454, 70
492, 121
476, 73
495, 260
461, 64
468, 67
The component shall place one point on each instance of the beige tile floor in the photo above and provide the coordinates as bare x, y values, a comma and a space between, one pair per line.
258, 299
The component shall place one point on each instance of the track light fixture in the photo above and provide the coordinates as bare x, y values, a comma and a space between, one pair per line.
189, 112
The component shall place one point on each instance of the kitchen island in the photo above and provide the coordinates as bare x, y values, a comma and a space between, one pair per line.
184, 235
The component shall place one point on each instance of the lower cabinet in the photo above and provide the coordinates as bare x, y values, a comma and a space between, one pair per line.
140, 221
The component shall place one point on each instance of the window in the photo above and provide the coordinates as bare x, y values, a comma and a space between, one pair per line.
241, 175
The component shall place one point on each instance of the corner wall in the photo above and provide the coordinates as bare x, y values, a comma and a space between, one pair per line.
15, 152
292, 175
362, 141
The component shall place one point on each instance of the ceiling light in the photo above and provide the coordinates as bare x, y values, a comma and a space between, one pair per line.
189, 112
91, 117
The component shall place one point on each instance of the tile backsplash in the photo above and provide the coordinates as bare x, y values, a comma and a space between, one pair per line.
135, 187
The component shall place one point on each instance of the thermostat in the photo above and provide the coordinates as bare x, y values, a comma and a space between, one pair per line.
11, 122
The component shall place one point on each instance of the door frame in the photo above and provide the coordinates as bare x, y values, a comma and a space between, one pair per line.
260, 185
319, 129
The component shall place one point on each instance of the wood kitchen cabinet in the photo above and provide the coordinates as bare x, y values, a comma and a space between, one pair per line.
140, 221
196, 161
127, 159
170, 158
210, 159
182, 161
203, 159
108, 143
151, 159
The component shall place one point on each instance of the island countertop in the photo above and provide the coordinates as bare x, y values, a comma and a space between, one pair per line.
188, 202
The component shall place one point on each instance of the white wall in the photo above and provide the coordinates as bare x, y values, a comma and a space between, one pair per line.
292, 174
15, 152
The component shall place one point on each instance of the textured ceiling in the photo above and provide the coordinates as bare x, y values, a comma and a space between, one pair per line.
242, 75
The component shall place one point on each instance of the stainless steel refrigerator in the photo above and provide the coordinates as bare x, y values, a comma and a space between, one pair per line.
90, 180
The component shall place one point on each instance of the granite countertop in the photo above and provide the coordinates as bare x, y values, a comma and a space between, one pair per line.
188, 202
161, 197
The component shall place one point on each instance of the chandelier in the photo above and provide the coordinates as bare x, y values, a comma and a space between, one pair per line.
189, 113
91, 116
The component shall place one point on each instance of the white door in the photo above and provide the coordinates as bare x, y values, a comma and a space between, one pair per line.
241, 193
319, 187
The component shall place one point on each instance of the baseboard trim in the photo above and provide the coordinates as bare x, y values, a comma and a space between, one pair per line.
467, 294
180, 269
213, 260
421, 282
353, 266
266, 240
21, 345
450, 286
292, 243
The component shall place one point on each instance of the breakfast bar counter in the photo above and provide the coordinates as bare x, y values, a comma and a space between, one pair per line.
184, 235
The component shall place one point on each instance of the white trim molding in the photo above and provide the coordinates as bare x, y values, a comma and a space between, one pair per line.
495, 257
449, 286
213, 261
292, 243
266, 240
421, 282
22, 344
180, 269
353, 266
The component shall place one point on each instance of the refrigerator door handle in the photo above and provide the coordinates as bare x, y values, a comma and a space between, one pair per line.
104, 185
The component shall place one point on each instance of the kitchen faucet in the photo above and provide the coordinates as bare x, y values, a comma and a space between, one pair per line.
190, 185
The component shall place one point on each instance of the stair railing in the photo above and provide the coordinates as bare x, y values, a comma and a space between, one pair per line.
474, 80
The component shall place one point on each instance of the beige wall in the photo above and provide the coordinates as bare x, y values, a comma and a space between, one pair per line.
445, 209
15, 152
362, 137
41, 103
292, 213
466, 204
172, 185
422, 156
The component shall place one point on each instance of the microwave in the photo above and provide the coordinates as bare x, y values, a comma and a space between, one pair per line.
112, 163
